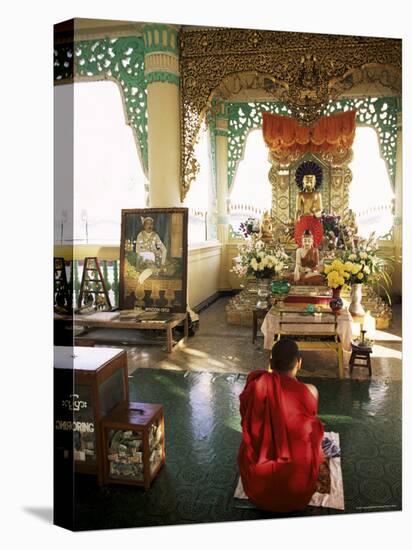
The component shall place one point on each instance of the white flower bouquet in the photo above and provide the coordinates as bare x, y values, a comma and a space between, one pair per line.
369, 267
255, 259
364, 260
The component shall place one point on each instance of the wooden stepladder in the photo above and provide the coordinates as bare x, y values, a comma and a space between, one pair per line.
62, 294
93, 290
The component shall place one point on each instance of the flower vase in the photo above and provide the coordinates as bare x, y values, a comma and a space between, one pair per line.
336, 303
336, 292
263, 293
356, 307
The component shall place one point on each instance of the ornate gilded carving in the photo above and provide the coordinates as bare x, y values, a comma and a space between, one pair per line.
347, 180
304, 71
386, 75
238, 83
334, 188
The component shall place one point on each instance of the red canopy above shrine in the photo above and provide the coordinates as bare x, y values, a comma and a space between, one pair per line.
330, 134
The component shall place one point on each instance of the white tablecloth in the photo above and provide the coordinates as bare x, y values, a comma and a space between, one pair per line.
270, 326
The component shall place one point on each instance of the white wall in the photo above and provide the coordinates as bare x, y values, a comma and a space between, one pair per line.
203, 272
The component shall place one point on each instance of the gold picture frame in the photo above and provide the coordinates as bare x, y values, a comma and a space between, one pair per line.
153, 259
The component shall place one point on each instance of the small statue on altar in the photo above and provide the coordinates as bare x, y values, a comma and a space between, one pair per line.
308, 199
351, 228
307, 268
266, 228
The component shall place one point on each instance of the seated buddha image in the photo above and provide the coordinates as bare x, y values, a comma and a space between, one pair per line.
307, 266
266, 228
308, 199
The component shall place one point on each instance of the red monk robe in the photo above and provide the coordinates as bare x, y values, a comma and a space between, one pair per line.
281, 451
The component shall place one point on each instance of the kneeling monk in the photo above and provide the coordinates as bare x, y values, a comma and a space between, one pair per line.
281, 452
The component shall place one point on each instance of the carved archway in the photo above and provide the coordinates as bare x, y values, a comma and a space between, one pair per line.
306, 70
120, 60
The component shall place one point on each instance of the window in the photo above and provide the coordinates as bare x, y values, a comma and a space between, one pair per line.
200, 198
251, 193
108, 175
370, 195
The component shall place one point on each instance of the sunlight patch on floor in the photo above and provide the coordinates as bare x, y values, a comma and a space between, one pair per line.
383, 351
381, 335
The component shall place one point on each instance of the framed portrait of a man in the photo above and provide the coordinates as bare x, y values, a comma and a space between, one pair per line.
153, 259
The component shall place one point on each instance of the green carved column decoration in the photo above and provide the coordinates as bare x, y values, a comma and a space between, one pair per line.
211, 124
244, 117
397, 220
381, 113
118, 59
218, 124
161, 53
63, 63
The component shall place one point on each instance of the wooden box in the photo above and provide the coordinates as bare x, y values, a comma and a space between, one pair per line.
133, 442
89, 383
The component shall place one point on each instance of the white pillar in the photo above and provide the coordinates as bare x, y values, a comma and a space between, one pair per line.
222, 181
221, 133
163, 113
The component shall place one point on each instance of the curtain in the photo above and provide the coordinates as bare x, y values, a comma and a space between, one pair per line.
330, 134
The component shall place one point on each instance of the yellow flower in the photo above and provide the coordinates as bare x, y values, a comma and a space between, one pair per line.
346, 275
356, 268
348, 266
337, 264
334, 279
327, 269
360, 276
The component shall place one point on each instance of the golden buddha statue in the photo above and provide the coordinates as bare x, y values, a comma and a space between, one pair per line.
266, 228
309, 199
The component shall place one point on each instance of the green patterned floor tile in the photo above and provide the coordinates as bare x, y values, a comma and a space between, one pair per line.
202, 429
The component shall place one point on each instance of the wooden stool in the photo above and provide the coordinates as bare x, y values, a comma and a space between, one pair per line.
362, 354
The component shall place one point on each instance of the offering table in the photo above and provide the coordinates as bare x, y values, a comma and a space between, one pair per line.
115, 320
323, 330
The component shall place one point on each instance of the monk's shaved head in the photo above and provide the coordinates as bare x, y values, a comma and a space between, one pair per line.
285, 355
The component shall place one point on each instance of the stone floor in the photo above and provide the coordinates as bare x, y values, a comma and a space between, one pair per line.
221, 348
199, 386
202, 437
